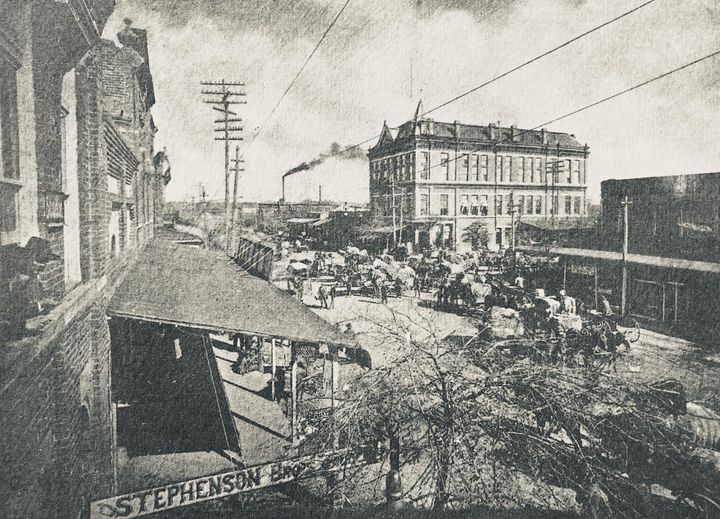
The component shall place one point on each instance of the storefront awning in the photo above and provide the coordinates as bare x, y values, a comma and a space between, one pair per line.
637, 259
299, 221
198, 288
558, 224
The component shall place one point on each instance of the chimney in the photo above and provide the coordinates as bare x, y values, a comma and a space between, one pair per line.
513, 134
491, 131
543, 135
320, 193
456, 124
128, 37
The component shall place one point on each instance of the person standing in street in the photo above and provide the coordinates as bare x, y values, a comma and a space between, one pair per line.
416, 286
323, 296
333, 293
383, 293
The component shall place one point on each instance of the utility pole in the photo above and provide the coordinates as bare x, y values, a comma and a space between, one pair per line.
623, 295
393, 211
222, 95
236, 170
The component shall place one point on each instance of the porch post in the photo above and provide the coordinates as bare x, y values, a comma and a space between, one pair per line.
272, 369
293, 389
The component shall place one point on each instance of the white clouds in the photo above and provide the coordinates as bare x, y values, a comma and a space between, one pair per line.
361, 76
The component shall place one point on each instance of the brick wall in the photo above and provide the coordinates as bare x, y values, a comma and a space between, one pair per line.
55, 411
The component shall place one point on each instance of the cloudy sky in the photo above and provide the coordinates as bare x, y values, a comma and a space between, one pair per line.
383, 55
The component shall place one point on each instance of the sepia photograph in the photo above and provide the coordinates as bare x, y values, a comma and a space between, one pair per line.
360, 259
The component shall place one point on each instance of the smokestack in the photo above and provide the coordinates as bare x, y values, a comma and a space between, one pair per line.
320, 193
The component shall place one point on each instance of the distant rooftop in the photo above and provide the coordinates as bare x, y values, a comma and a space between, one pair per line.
490, 134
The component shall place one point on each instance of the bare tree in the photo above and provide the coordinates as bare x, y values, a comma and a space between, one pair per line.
513, 423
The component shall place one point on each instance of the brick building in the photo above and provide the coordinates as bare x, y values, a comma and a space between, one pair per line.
78, 171
437, 178
674, 230
673, 216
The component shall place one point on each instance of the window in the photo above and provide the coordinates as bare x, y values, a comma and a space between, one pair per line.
577, 205
474, 161
529, 204
568, 172
538, 205
508, 204
520, 176
576, 171
498, 168
424, 204
484, 168
9, 152
444, 204
463, 165
498, 204
464, 204
424, 165
555, 205
474, 209
445, 166
537, 170
520, 202
568, 205
411, 166
507, 169
483, 205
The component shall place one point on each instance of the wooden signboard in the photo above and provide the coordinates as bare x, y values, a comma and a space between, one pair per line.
225, 484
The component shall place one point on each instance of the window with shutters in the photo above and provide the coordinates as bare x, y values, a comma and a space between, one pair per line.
474, 208
464, 204
445, 167
121, 164
463, 165
474, 162
538, 171
424, 204
507, 168
444, 205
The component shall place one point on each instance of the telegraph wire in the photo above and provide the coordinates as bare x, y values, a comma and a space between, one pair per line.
297, 76
539, 57
254, 136
510, 71
586, 107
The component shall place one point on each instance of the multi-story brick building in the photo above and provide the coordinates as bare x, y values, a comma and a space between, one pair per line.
78, 172
672, 216
437, 178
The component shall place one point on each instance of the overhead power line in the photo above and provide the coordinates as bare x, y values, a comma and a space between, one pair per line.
588, 106
297, 76
539, 57
512, 70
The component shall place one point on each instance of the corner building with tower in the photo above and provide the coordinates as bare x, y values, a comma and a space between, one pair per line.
431, 180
